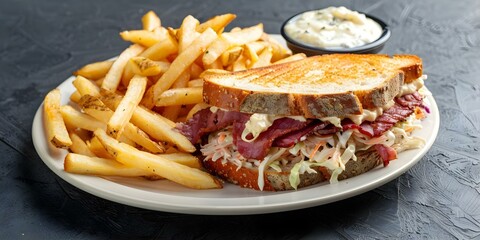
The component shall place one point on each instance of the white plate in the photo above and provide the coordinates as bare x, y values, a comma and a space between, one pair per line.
231, 200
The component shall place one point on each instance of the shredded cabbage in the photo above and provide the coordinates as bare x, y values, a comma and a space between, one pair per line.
331, 151
274, 154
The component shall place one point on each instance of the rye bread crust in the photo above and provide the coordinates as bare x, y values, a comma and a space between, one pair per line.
279, 181
357, 81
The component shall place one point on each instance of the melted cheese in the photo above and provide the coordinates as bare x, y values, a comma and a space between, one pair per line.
372, 113
259, 123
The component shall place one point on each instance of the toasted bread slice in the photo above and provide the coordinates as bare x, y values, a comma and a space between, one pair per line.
279, 181
315, 87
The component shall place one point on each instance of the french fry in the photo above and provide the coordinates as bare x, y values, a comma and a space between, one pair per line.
161, 50
215, 50
79, 146
114, 75
186, 159
217, 23
161, 128
151, 21
264, 58
146, 67
99, 81
75, 97
78, 119
291, 58
56, 130
155, 125
97, 148
90, 165
127, 73
187, 33
94, 70
171, 112
143, 37
135, 134
252, 49
97, 109
240, 64
231, 55
183, 61
195, 71
86, 87
180, 96
245, 35
127, 106
227, 40
157, 164
278, 51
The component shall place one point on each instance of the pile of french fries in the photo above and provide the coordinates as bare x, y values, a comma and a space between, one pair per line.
121, 118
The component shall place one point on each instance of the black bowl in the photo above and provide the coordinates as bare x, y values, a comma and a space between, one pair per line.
309, 50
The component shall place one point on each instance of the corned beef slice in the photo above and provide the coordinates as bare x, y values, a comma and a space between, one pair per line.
285, 132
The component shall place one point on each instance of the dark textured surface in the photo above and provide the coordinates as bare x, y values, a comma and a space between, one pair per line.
42, 42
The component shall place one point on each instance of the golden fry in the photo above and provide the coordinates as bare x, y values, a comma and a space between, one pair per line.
143, 37
75, 97
161, 50
151, 21
195, 71
97, 109
264, 58
183, 61
294, 57
78, 119
171, 112
88, 165
146, 67
217, 23
97, 148
56, 130
95, 70
227, 40
157, 164
125, 109
231, 55
79, 146
187, 33
186, 159
114, 75
278, 51
240, 64
252, 49
155, 125
180, 96
215, 50
86, 87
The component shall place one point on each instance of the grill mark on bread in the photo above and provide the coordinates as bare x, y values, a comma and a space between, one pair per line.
352, 82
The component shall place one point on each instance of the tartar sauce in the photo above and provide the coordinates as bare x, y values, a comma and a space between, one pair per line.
333, 27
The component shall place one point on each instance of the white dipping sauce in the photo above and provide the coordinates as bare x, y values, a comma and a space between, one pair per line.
333, 27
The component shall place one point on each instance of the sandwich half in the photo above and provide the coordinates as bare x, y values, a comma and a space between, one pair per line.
323, 118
